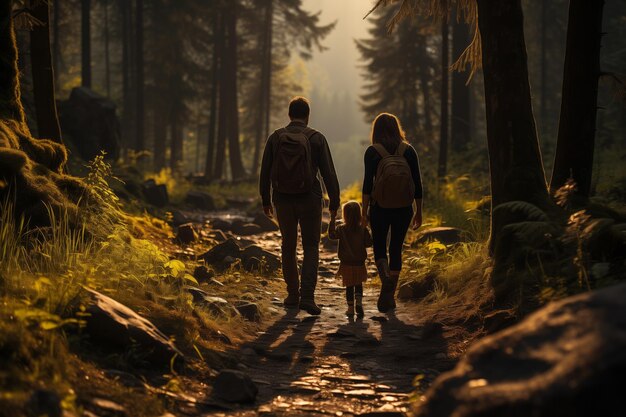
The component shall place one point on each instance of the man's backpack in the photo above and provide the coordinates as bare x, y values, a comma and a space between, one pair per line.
393, 185
292, 171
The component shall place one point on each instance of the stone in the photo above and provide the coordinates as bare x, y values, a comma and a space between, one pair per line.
217, 306
223, 225
566, 359
418, 289
254, 256
498, 320
90, 122
155, 194
116, 326
445, 235
107, 407
266, 224
186, 234
44, 403
200, 200
219, 235
245, 229
249, 311
203, 274
234, 386
179, 218
217, 255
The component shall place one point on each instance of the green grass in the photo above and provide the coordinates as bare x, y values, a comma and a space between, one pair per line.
43, 273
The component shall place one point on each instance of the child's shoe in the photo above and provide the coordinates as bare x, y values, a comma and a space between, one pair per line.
359, 308
350, 310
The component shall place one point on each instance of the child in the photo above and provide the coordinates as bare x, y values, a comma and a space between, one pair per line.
353, 239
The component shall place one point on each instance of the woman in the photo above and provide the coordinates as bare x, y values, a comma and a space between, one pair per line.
392, 183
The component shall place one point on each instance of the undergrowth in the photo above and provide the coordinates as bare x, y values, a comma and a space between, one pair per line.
43, 273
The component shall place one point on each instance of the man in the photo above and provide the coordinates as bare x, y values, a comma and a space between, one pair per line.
293, 157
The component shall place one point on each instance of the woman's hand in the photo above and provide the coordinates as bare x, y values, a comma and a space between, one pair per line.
417, 221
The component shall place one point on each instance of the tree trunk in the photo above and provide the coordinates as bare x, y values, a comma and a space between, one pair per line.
222, 112
43, 74
263, 109
425, 84
160, 135
85, 37
443, 120
516, 167
139, 79
577, 123
10, 105
56, 49
107, 54
460, 132
218, 41
127, 129
544, 68
176, 148
269, 73
234, 148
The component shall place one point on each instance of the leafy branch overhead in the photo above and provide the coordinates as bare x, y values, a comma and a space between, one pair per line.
466, 11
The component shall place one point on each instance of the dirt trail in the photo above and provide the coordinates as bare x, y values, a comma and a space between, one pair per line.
333, 365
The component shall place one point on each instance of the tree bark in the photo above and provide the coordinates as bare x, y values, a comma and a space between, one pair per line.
544, 68
86, 43
223, 97
43, 74
139, 78
577, 123
56, 44
10, 104
218, 41
160, 135
516, 167
234, 149
269, 73
460, 131
107, 54
127, 128
176, 148
425, 84
264, 110
264, 91
443, 120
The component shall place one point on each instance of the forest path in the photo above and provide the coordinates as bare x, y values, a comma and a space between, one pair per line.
336, 365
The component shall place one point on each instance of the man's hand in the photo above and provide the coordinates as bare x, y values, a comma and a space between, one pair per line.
269, 211
417, 221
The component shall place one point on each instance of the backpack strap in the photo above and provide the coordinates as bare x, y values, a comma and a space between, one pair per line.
402, 147
381, 150
307, 131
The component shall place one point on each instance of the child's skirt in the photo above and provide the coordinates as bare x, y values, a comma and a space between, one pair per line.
352, 275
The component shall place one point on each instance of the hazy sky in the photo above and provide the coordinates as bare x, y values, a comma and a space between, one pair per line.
337, 68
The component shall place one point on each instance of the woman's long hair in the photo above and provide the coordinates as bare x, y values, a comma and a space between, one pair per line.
387, 131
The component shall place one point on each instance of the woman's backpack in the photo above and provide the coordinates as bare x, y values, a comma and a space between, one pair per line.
393, 184
292, 171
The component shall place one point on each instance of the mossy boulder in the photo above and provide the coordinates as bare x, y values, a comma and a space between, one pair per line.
566, 359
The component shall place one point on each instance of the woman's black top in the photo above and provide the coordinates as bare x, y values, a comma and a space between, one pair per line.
372, 158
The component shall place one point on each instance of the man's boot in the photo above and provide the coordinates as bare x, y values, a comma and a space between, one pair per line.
310, 307
292, 300
384, 303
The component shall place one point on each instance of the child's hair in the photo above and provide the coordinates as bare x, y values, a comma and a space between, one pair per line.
351, 214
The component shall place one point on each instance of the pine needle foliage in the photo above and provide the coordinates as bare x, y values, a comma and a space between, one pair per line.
467, 10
